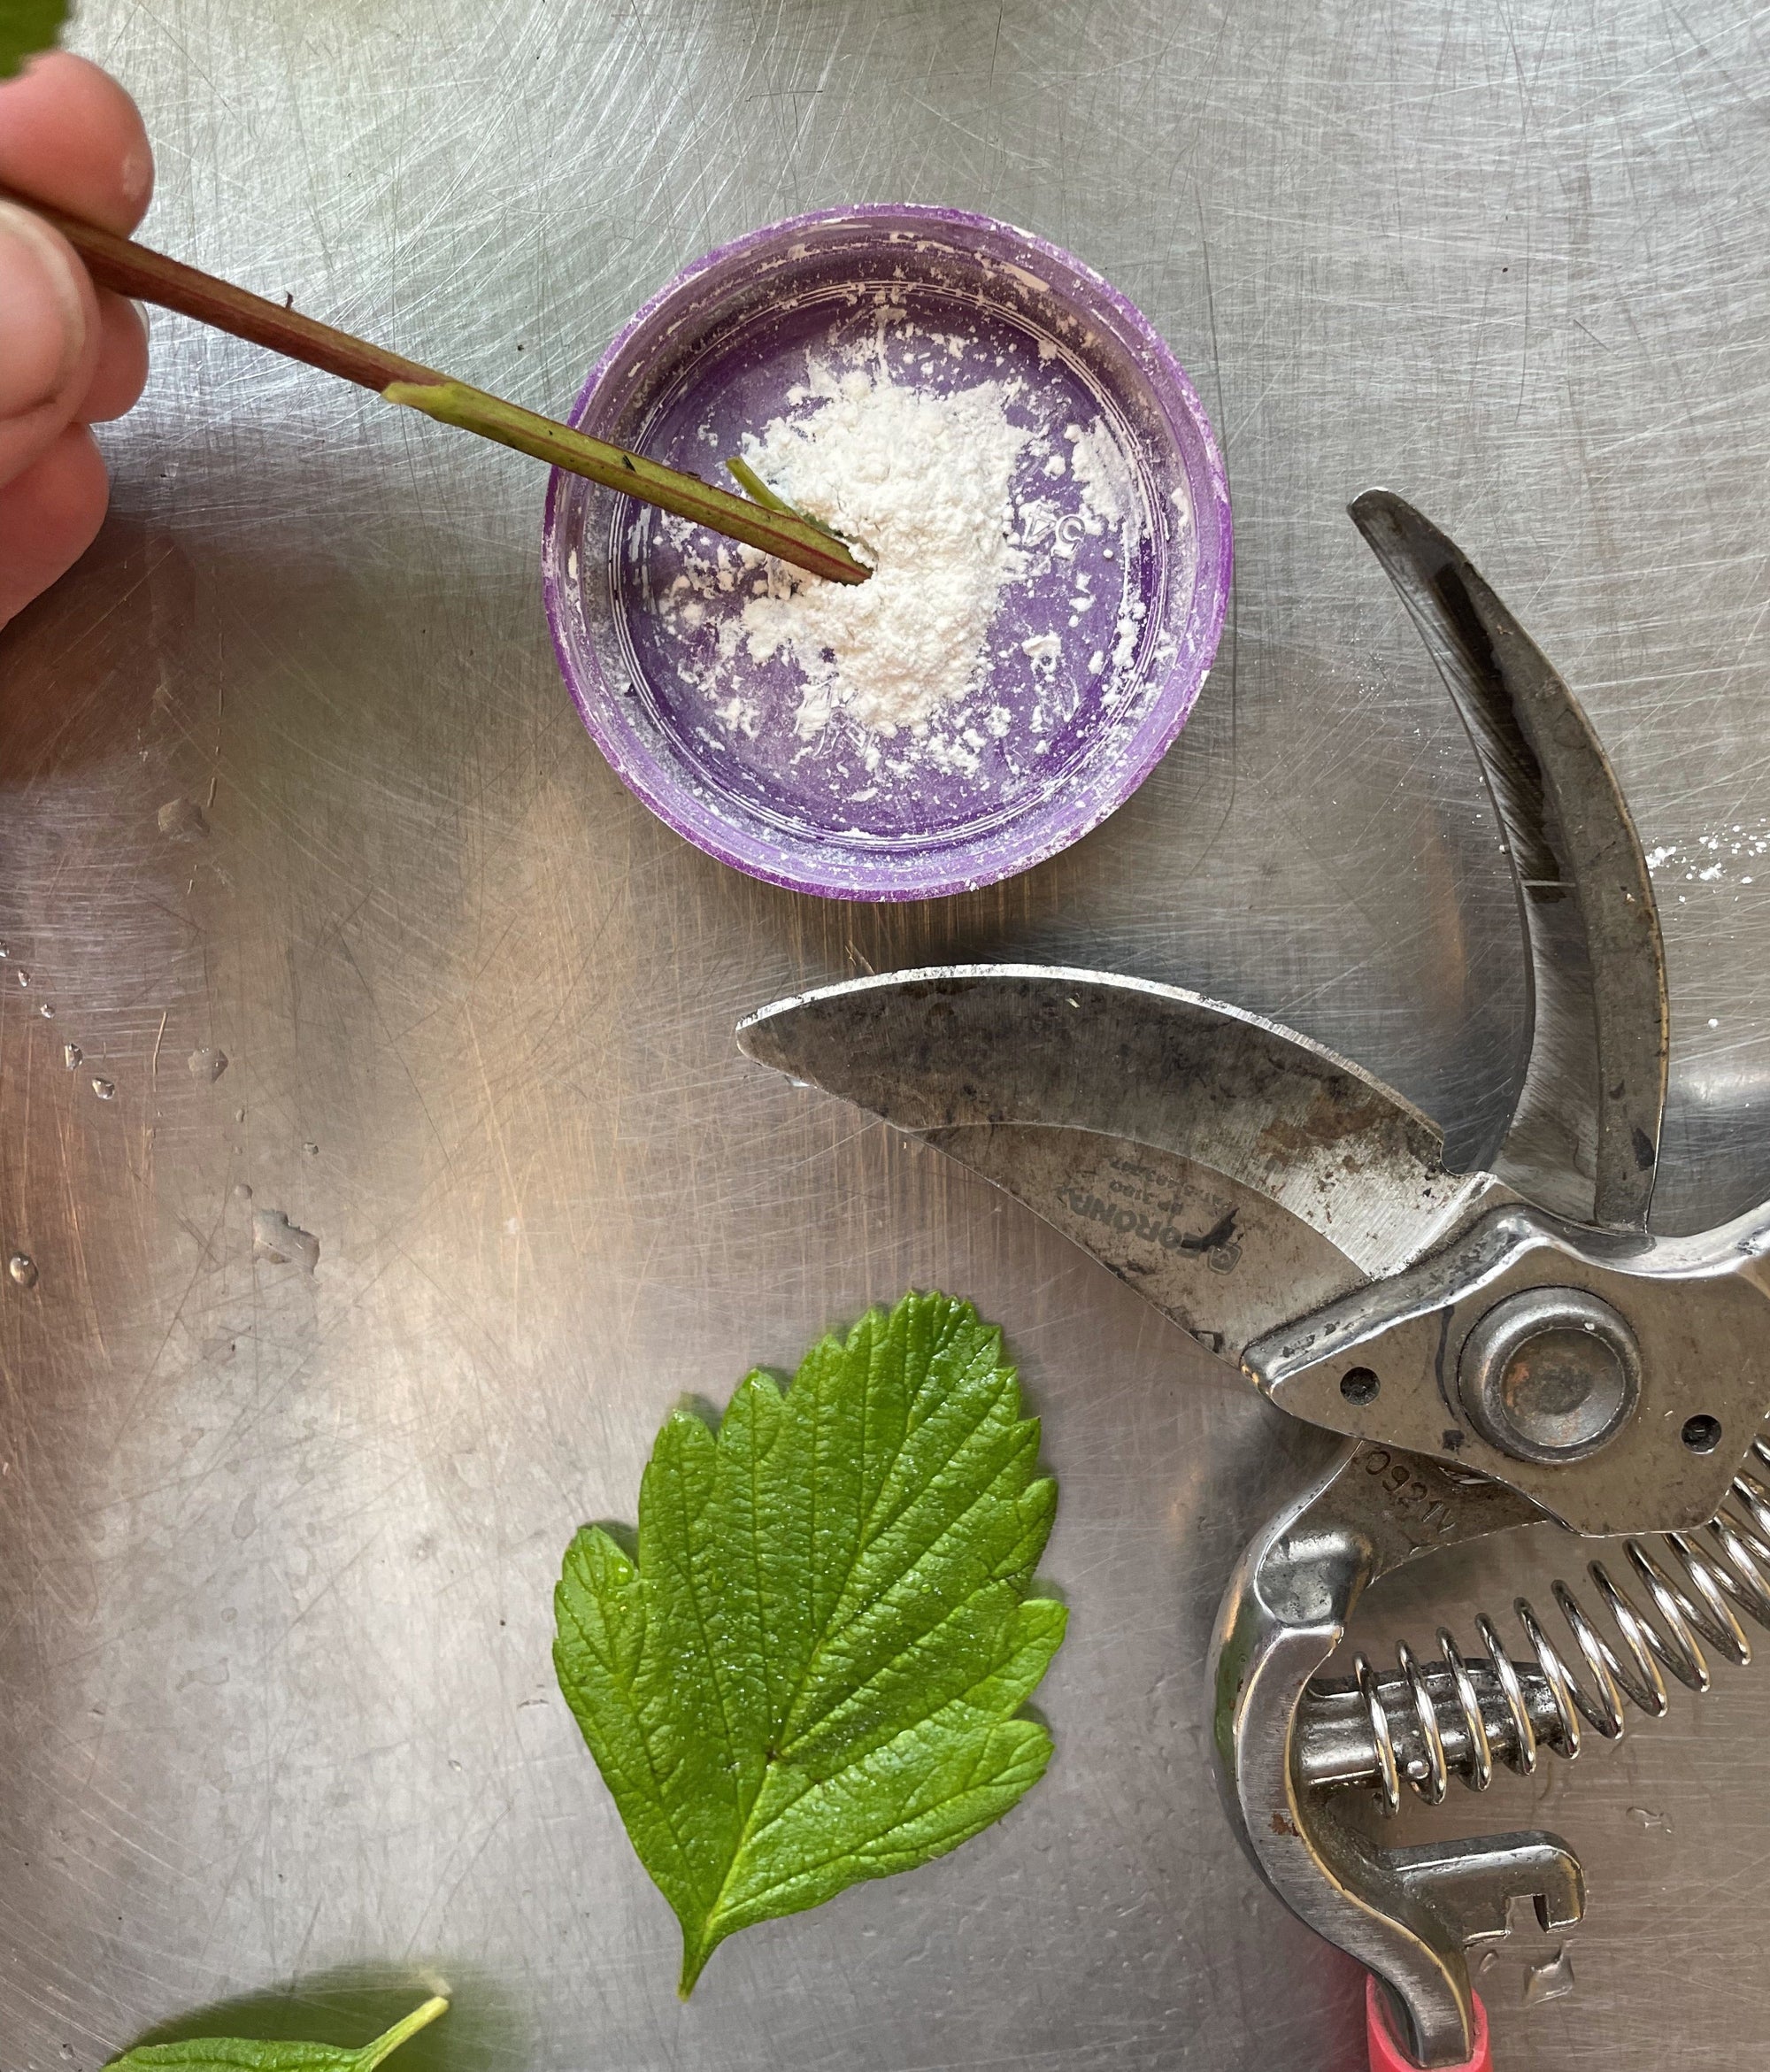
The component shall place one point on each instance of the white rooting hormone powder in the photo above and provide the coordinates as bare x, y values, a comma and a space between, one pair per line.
1001, 518
919, 482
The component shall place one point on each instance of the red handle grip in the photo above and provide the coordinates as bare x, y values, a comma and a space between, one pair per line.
1387, 2055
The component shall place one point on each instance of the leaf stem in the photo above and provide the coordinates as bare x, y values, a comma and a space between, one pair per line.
384, 2047
784, 532
132, 269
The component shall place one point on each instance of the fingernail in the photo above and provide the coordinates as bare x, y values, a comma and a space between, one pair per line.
42, 316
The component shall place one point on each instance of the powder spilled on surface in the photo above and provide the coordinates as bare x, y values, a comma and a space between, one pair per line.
919, 482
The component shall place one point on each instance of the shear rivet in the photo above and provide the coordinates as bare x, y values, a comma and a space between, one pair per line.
1359, 1385
1701, 1434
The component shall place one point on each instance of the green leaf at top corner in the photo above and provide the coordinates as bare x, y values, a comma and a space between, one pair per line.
813, 1673
27, 27
235, 2054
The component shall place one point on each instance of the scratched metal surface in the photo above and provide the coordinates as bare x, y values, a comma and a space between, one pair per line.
276, 1716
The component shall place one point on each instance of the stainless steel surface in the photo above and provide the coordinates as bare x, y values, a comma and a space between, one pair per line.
261, 1724
1584, 1137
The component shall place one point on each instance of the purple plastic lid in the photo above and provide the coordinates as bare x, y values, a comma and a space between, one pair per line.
1074, 709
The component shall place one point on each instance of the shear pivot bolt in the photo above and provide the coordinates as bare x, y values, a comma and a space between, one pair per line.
1550, 1374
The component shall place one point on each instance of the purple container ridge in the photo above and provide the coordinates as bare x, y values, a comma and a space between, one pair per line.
712, 356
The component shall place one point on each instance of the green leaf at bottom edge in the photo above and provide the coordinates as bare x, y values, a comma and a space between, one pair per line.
27, 27
235, 2054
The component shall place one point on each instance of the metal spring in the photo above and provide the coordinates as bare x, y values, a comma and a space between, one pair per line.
1458, 1715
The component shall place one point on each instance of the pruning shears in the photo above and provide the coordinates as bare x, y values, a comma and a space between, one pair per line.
1495, 1345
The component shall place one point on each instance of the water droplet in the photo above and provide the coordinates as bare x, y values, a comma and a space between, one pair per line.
280, 1241
1644, 1816
184, 820
23, 1270
71, 1056
239, 1114
241, 1191
23, 977
207, 1064
105, 1089
1551, 1980
1488, 1962
47, 1012
312, 1150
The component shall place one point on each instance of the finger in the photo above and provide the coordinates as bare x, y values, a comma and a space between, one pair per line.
49, 515
43, 311
49, 323
121, 373
71, 136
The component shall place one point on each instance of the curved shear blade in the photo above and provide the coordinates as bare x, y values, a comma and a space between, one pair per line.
1584, 1135
1231, 1171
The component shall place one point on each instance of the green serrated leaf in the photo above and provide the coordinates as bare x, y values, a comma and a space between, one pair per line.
235, 2054
811, 1673
27, 27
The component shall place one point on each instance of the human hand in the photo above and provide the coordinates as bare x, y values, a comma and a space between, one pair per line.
70, 354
